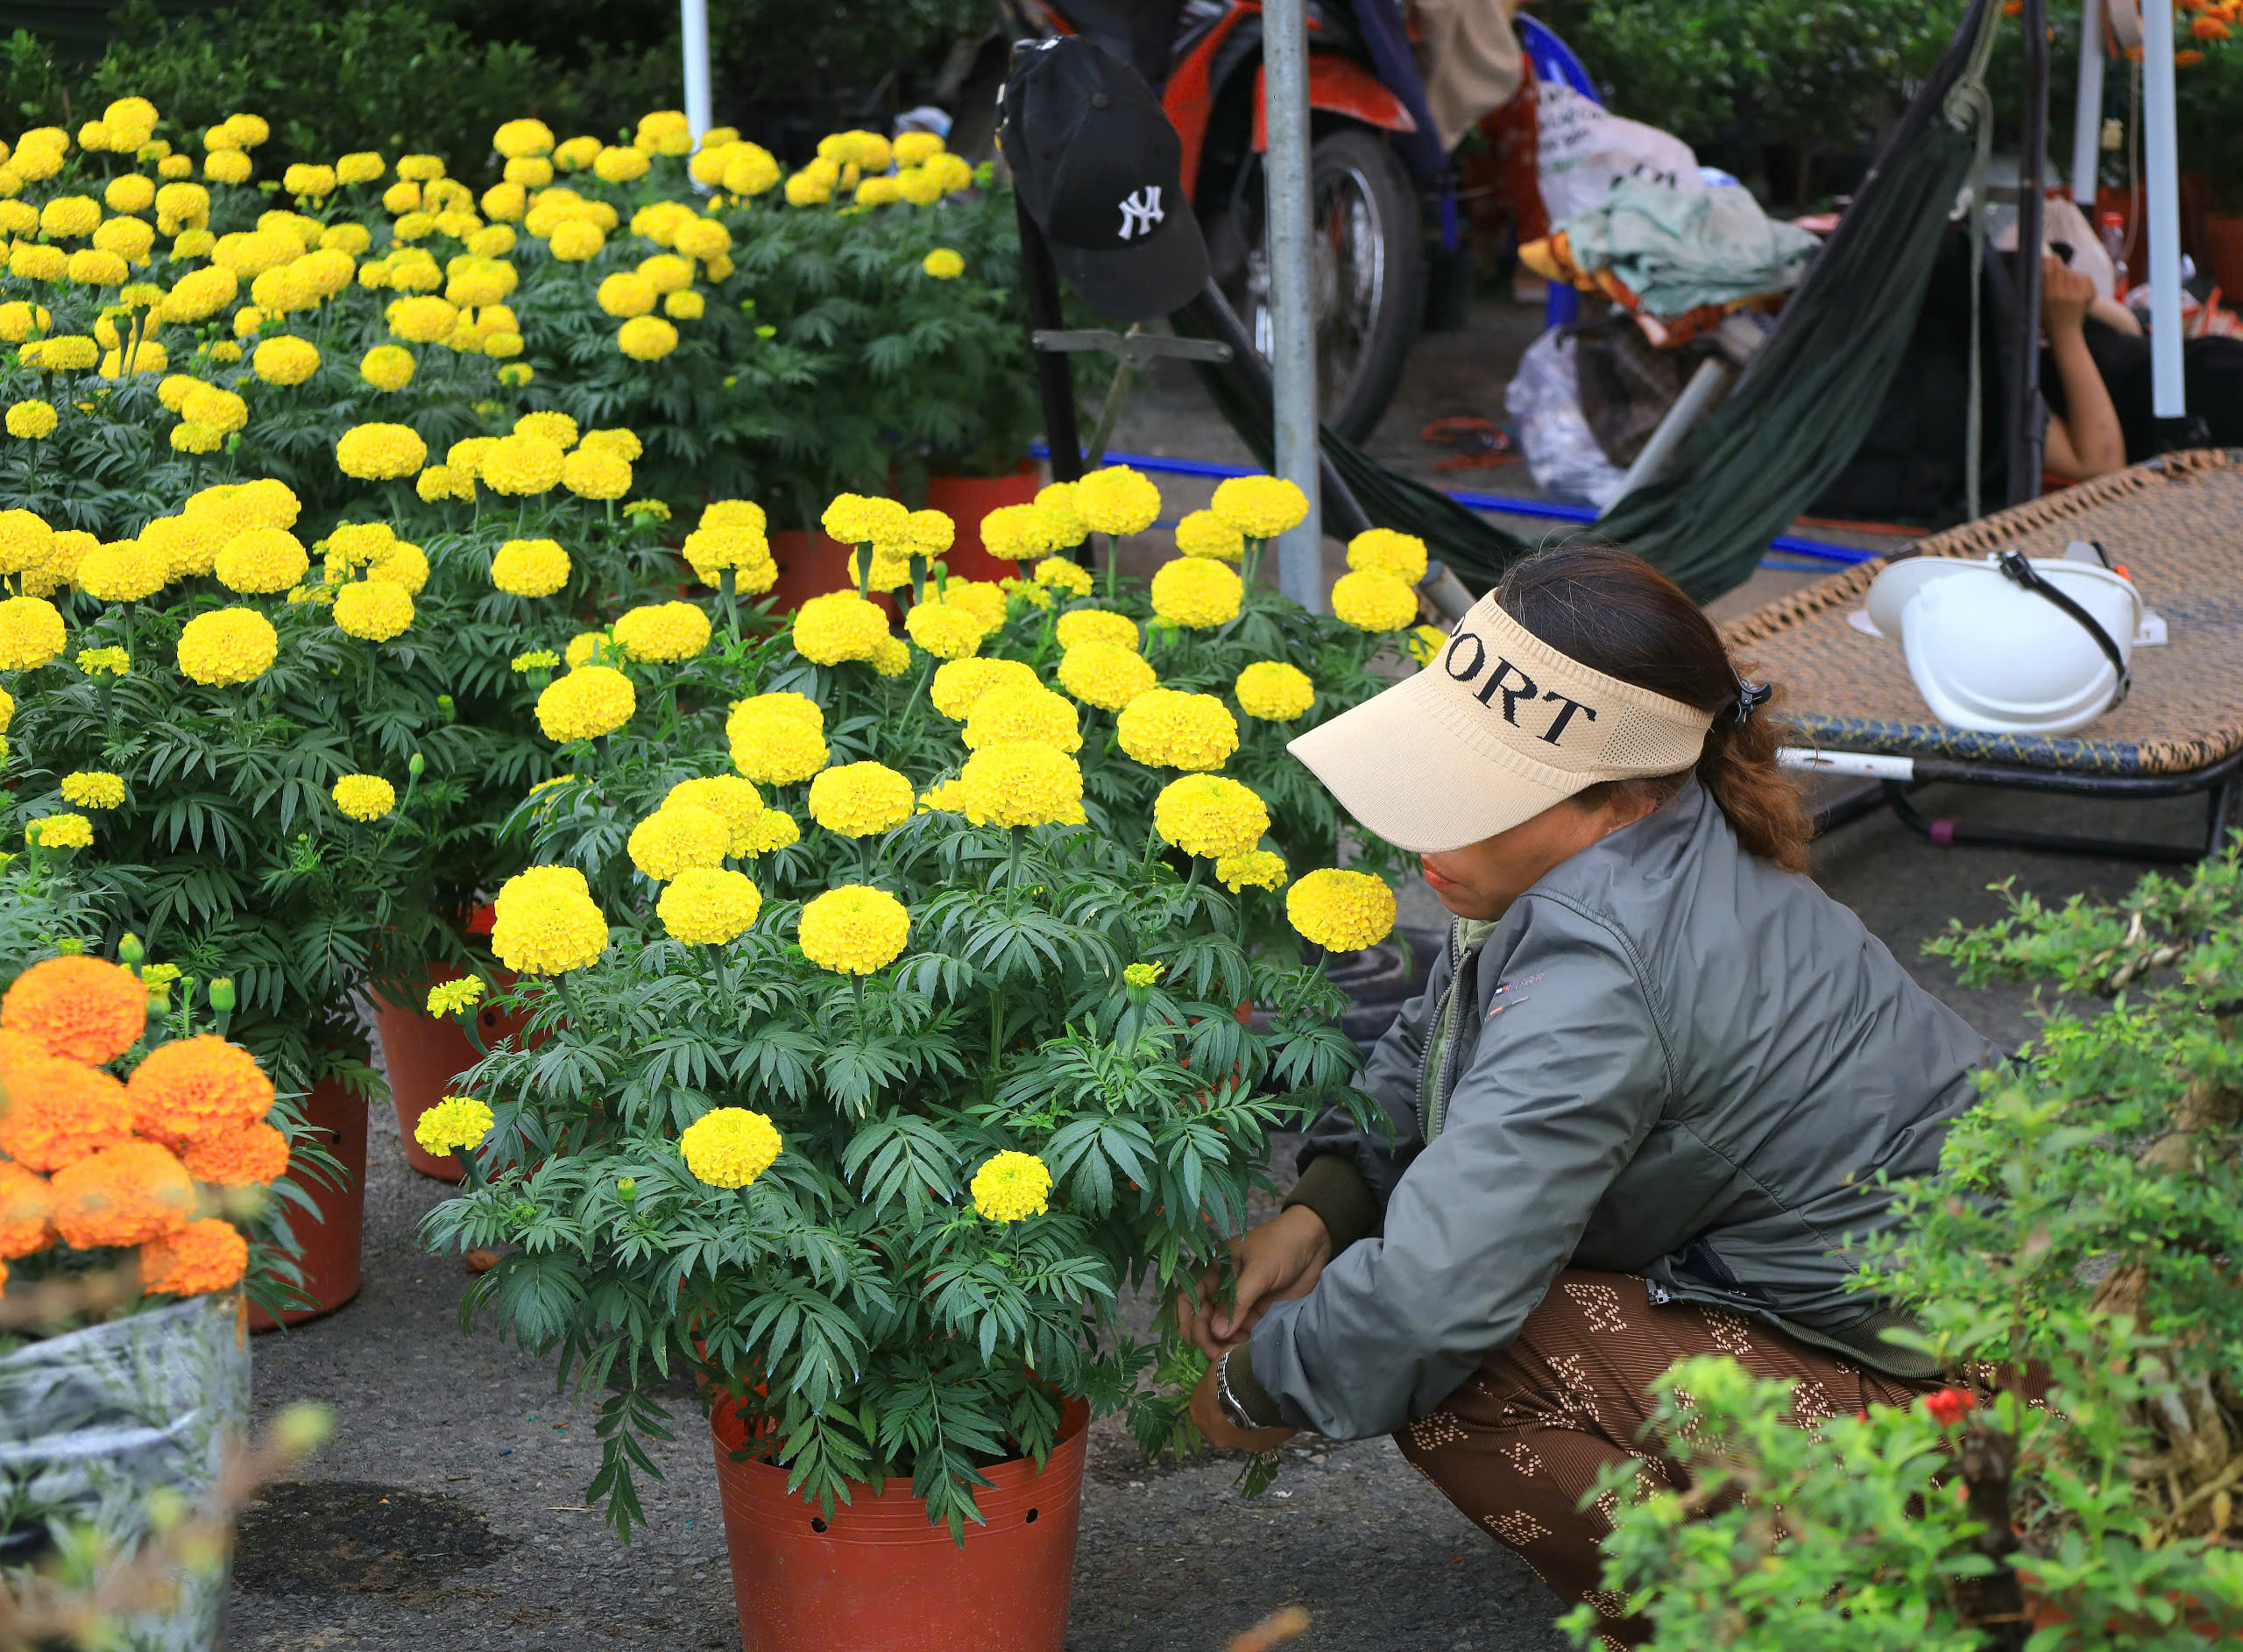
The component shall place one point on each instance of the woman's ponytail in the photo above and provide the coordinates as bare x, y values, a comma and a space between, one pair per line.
1615, 613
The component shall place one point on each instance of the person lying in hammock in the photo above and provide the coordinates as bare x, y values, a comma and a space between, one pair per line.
2095, 377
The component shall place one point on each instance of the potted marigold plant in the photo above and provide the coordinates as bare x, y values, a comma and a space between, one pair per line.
882, 1000
130, 1210
2074, 1266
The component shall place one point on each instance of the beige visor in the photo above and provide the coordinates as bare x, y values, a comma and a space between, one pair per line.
1496, 729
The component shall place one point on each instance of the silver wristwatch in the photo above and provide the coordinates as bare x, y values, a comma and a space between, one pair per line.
1233, 1413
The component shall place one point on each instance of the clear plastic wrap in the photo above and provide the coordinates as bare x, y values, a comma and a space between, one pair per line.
94, 1421
1544, 402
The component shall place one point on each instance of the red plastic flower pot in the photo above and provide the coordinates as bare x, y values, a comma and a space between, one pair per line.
810, 565
331, 1240
965, 500
424, 1053
879, 1576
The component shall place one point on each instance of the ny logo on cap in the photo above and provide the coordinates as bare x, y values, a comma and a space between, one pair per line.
1141, 211
1510, 685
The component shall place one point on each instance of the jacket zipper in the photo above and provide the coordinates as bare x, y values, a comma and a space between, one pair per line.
1439, 1061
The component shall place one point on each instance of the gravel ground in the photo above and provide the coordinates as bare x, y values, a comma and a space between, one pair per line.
447, 1514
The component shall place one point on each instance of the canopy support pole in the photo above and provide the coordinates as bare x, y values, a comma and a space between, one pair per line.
1292, 322
2087, 108
2161, 169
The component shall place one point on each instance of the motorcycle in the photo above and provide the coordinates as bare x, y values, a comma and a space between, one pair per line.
1374, 164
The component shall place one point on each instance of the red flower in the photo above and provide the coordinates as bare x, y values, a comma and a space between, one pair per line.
1949, 1406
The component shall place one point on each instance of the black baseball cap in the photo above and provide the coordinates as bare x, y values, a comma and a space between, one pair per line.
1096, 163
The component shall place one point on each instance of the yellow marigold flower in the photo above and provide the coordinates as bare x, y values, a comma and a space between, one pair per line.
1197, 592
683, 307
31, 633
591, 647
916, 148
859, 800
1371, 601
943, 264
1116, 500
943, 629
982, 598
1070, 579
1260, 507
221, 410
360, 166
516, 374
25, 540
1274, 691
774, 829
548, 922
38, 262
91, 267
677, 836
664, 131
422, 319
19, 319
645, 338
729, 1146
285, 360
452, 998
1203, 533
586, 703
376, 609
1143, 974
958, 684
227, 646
1209, 816
122, 571
131, 193
860, 518
535, 659
1426, 641
60, 831
595, 473
663, 631
1257, 869
1104, 675
667, 273
843, 625
351, 543
750, 170
888, 571
363, 796
854, 929
555, 427
708, 906
116, 661
1009, 712
627, 293
704, 238
1381, 550
1056, 501
131, 240
308, 181
379, 452
625, 445
69, 218
441, 482
1021, 532
893, 658
262, 561
1019, 783
92, 788
1027, 590
808, 188
420, 169
1341, 911
1012, 1187
617, 164
772, 748
1163, 728
454, 1124
728, 797
711, 550
387, 367
1079, 625
573, 154
523, 137
521, 465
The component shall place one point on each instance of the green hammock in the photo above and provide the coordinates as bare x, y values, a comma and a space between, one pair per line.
1796, 414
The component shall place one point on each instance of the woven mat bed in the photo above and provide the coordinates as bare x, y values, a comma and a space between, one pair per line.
2177, 524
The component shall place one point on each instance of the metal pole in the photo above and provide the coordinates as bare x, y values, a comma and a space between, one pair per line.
1292, 326
2022, 375
693, 21
2087, 108
2161, 162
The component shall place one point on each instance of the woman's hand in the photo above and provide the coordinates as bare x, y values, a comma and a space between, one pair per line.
1275, 1262
1207, 1416
2065, 295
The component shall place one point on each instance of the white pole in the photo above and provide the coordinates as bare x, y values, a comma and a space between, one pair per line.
2087, 109
2162, 168
1293, 324
694, 26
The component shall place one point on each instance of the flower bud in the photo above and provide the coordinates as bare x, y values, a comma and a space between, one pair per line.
627, 1188
417, 765
221, 992
70, 946
129, 949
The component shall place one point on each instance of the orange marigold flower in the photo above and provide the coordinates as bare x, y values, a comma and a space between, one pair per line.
2209, 28
249, 1157
57, 1111
24, 1207
124, 1195
85, 1008
203, 1256
197, 1088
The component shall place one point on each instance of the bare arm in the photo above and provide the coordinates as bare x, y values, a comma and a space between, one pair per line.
2087, 441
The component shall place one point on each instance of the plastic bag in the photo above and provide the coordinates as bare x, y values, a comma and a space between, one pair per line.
93, 1420
1544, 402
1582, 149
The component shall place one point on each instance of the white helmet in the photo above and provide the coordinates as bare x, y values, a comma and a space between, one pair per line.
2011, 646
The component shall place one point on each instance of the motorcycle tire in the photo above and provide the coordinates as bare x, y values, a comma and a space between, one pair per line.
1369, 310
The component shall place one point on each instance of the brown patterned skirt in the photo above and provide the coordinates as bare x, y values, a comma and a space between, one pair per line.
1519, 1445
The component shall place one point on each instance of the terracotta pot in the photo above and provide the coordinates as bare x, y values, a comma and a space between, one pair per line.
880, 1579
810, 565
965, 500
2224, 252
330, 1241
424, 1053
